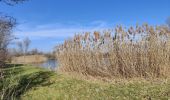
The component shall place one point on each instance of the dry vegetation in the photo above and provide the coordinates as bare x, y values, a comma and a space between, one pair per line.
140, 51
29, 59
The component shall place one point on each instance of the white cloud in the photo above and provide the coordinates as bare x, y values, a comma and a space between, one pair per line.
54, 33
57, 30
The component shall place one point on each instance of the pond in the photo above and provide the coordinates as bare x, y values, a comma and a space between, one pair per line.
49, 64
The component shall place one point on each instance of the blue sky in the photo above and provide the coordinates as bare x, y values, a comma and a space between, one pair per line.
48, 22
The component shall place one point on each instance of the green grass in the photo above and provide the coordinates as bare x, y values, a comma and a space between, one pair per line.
32, 83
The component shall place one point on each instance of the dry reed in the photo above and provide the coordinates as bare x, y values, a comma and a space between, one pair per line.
141, 51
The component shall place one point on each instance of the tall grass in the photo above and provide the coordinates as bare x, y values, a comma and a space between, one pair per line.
8, 86
140, 51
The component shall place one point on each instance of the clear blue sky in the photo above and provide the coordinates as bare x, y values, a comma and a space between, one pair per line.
49, 22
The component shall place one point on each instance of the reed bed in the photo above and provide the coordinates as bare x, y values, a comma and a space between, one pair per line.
141, 51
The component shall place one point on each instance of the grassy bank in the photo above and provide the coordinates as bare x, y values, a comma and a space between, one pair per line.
31, 83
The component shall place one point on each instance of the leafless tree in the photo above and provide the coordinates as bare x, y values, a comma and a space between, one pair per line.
26, 44
20, 47
7, 23
23, 46
6, 26
34, 51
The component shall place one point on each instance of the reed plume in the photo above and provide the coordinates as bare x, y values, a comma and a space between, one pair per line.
143, 51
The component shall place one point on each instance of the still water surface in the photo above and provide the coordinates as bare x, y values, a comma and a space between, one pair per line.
49, 64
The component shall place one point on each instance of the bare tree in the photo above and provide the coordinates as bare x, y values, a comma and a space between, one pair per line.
23, 46
20, 47
34, 51
26, 44
7, 23
6, 26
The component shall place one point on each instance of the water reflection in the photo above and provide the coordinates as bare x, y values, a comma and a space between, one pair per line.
50, 64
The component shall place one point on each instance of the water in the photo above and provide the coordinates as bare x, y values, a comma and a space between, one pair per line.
49, 64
